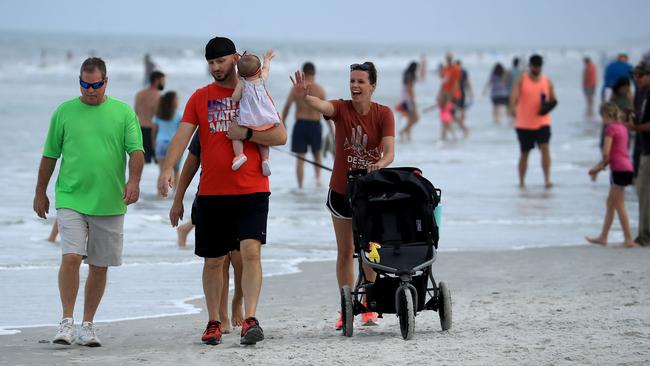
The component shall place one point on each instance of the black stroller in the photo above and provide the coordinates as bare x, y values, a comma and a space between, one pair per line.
395, 234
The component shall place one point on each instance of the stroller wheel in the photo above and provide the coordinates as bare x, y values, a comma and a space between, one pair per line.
444, 306
406, 312
346, 311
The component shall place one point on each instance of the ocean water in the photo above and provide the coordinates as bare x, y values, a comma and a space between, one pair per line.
483, 207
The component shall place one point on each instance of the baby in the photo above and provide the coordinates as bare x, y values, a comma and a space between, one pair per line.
256, 108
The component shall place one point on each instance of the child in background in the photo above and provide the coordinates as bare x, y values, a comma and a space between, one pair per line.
446, 108
615, 155
256, 108
446, 115
165, 124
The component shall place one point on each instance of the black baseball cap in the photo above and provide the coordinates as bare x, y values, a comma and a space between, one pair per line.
219, 47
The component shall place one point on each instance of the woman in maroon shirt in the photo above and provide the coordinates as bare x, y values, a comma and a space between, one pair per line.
365, 138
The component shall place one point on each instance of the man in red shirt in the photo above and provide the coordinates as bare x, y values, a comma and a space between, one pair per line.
451, 75
232, 206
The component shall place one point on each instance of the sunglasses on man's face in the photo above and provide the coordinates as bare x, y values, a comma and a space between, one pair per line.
95, 86
364, 67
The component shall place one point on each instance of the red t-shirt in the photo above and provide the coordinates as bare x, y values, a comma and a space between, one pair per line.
590, 76
358, 138
452, 75
211, 108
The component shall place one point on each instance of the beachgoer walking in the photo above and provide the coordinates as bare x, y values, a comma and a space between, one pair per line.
190, 167
149, 67
497, 84
451, 75
615, 155
513, 77
531, 92
619, 68
589, 82
642, 127
94, 133
407, 105
365, 138
307, 131
165, 124
232, 206
146, 106
466, 93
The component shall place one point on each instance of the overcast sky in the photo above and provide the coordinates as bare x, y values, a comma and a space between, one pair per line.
450, 22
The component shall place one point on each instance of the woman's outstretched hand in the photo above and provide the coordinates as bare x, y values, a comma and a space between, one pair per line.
300, 85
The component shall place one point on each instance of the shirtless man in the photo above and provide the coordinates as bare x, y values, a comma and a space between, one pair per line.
307, 131
146, 106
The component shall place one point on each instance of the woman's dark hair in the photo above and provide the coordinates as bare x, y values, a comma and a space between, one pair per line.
620, 83
166, 107
368, 67
498, 70
409, 73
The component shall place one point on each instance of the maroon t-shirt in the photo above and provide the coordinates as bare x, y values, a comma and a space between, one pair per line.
358, 138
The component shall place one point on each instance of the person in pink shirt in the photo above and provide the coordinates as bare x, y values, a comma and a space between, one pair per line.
615, 155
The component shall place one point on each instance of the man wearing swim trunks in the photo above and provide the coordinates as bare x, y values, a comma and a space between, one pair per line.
307, 132
232, 206
529, 93
146, 107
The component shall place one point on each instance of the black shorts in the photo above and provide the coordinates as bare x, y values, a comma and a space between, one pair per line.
306, 133
621, 179
338, 205
500, 100
528, 138
459, 103
224, 221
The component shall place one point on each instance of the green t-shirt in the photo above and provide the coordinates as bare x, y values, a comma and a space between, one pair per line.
93, 141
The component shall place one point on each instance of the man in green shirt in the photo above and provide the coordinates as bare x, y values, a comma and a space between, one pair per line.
92, 134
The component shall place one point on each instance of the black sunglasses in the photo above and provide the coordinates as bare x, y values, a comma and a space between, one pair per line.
95, 86
364, 67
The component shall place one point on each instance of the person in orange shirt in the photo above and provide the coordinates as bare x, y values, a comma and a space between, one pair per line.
232, 205
589, 84
532, 91
451, 75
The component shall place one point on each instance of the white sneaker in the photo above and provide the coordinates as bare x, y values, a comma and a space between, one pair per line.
87, 335
66, 333
266, 168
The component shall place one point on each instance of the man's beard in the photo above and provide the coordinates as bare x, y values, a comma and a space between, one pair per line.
224, 77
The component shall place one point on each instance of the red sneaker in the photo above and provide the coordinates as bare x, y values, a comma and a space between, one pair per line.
369, 318
212, 333
339, 323
251, 332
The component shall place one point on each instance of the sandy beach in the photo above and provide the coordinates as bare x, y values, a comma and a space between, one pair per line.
582, 305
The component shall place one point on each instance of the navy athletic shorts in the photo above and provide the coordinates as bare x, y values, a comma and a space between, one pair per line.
306, 133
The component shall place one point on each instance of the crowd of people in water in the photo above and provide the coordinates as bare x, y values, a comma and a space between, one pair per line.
229, 126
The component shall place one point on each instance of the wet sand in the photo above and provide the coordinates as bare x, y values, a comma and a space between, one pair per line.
585, 305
